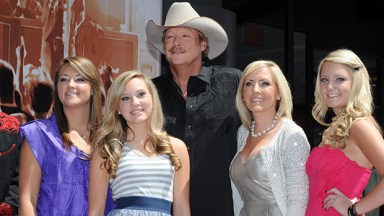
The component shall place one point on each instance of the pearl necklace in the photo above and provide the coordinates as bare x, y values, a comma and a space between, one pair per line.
253, 134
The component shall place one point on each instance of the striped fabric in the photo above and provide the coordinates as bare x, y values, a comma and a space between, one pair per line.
139, 175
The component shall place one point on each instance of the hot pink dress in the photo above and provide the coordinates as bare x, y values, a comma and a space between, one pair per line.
330, 168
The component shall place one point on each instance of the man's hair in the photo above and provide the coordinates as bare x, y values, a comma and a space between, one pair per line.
7, 86
41, 96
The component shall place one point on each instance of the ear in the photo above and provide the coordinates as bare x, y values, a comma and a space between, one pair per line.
203, 45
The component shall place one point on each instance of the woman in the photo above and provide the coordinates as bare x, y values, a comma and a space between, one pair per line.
55, 154
148, 170
339, 169
268, 172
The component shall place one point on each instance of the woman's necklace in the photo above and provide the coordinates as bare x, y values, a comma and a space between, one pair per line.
82, 135
253, 134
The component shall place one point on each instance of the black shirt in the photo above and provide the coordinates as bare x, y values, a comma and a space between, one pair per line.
207, 122
9, 164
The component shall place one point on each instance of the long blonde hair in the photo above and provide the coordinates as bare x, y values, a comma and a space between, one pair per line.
110, 137
284, 105
359, 105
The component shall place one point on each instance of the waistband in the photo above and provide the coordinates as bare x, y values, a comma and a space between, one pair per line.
144, 203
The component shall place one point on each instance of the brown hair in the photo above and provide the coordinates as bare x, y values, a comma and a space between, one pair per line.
88, 70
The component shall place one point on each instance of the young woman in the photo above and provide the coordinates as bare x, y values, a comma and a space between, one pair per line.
55, 154
339, 169
148, 170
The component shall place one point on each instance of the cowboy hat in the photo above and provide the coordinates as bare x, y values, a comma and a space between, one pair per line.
181, 14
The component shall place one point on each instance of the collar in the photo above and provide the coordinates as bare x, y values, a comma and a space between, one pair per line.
204, 75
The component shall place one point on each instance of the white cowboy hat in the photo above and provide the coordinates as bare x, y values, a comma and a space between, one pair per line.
181, 14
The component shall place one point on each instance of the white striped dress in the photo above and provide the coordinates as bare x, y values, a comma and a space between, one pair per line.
141, 176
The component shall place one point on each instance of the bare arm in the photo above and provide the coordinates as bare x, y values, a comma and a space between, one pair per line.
98, 186
369, 151
371, 143
181, 181
29, 181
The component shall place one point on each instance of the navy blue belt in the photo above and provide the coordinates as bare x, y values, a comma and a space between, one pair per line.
144, 203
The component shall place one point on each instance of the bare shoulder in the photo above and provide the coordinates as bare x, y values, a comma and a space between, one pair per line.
364, 130
177, 143
363, 125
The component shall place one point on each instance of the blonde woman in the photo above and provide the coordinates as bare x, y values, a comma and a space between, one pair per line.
268, 171
339, 169
148, 170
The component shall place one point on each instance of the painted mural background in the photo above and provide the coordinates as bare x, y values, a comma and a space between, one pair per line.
36, 34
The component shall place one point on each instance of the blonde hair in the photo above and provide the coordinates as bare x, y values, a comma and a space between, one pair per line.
88, 70
284, 105
112, 132
359, 105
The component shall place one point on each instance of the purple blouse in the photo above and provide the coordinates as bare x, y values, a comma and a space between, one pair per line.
64, 180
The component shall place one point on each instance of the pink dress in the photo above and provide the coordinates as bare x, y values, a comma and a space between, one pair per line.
330, 168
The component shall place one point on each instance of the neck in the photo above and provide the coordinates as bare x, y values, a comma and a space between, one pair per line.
139, 134
78, 119
263, 120
181, 73
257, 133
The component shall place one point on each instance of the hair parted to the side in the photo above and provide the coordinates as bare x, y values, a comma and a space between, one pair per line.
88, 70
360, 102
112, 132
284, 106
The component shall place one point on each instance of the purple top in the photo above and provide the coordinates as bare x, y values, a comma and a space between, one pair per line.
64, 180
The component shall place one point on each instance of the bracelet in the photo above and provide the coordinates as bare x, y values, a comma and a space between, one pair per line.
352, 210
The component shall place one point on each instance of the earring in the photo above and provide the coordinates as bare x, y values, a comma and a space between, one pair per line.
118, 112
278, 98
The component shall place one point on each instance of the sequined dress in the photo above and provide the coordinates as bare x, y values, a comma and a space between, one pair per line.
284, 161
254, 187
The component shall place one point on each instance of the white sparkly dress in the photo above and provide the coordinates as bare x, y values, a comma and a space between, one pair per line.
283, 161
254, 187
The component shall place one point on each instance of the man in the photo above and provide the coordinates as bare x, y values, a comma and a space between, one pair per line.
199, 103
9, 164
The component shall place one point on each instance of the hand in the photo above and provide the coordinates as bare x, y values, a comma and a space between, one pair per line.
338, 201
